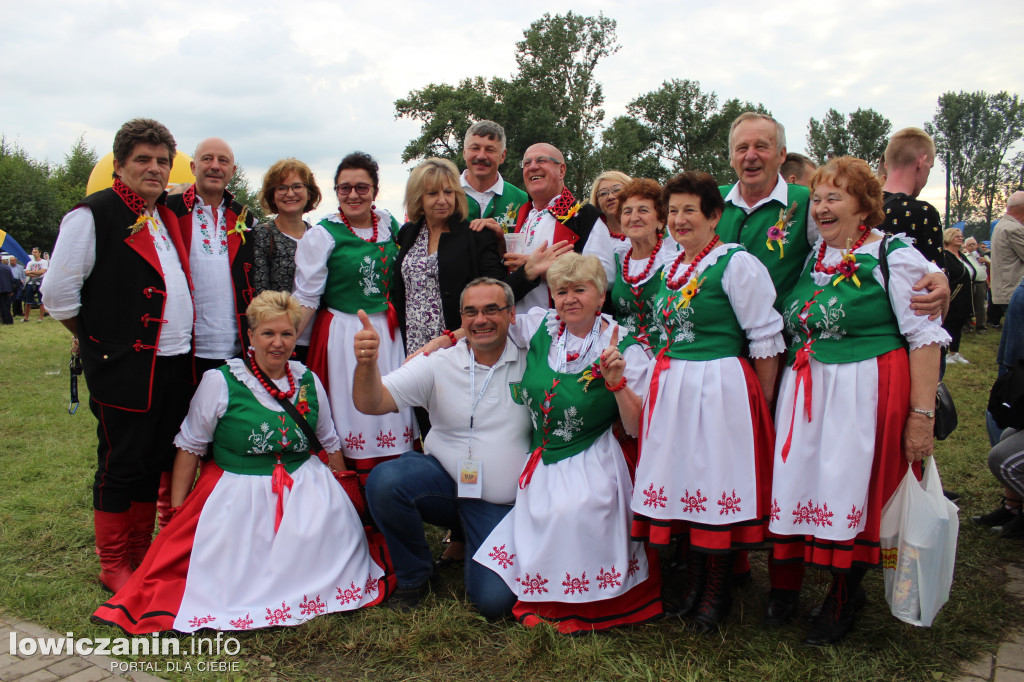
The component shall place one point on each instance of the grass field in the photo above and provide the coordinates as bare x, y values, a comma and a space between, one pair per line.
49, 573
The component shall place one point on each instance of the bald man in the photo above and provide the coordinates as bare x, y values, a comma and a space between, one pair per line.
213, 226
1007, 255
551, 215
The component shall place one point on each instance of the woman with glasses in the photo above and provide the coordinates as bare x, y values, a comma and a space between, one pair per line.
343, 264
290, 191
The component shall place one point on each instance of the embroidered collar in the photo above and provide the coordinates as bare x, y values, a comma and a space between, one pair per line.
137, 204
189, 197
565, 206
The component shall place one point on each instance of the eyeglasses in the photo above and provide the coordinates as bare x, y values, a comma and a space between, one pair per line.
488, 311
362, 189
297, 187
539, 160
614, 190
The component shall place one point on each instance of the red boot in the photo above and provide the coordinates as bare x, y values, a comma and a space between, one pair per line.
140, 535
112, 530
163, 499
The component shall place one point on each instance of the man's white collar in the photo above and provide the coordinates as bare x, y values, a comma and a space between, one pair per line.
498, 187
779, 194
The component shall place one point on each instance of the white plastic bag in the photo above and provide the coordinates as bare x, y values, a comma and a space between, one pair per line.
918, 536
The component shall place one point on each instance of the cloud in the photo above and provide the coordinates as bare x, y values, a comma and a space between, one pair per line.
316, 80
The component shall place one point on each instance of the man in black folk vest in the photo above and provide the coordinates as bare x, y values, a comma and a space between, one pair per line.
119, 281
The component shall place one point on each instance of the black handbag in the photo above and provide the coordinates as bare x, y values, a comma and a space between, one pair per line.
1006, 399
945, 411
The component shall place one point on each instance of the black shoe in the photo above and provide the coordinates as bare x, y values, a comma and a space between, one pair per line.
782, 607
405, 600
716, 601
1013, 529
696, 574
999, 516
835, 617
950, 495
858, 600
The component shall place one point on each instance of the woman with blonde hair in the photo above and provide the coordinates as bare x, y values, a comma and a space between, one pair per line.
245, 547
583, 374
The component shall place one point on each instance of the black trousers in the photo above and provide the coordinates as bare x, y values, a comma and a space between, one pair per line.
136, 447
5, 308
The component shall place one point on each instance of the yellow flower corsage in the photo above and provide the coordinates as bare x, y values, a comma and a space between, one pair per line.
691, 289
240, 229
572, 211
847, 268
142, 221
778, 233
590, 374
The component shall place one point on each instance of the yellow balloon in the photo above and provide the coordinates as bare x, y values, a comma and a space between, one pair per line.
102, 175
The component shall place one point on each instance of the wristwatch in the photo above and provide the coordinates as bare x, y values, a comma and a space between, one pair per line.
928, 413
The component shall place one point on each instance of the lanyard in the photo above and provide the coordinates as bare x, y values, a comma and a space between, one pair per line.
588, 343
477, 397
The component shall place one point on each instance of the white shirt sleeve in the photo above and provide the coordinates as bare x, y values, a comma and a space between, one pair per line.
638, 369
324, 422
526, 326
311, 256
906, 267
209, 404
74, 256
601, 245
412, 384
749, 287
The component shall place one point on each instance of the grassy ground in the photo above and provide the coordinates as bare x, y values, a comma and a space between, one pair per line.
49, 569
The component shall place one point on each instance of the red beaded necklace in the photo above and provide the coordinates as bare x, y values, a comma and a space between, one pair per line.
373, 219
270, 388
620, 237
831, 270
675, 285
570, 355
631, 280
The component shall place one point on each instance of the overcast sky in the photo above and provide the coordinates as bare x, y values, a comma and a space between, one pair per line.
316, 80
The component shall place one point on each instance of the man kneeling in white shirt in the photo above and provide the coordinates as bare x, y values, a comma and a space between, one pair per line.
474, 452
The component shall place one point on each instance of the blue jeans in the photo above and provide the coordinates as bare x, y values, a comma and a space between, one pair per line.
404, 493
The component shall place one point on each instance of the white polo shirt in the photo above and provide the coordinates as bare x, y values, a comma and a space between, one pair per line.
440, 382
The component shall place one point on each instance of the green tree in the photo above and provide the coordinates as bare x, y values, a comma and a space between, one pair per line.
246, 195
973, 132
30, 209
557, 59
446, 112
69, 179
688, 128
553, 97
864, 134
628, 146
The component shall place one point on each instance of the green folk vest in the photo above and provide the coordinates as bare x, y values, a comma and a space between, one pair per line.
502, 207
569, 411
359, 274
634, 307
842, 322
707, 328
249, 437
784, 261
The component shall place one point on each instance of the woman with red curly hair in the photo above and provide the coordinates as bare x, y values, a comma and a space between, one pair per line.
855, 407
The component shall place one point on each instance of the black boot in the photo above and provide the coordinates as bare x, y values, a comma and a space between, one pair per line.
836, 616
716, 600
696, 572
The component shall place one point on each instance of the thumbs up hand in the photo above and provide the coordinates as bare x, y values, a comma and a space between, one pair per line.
366, 341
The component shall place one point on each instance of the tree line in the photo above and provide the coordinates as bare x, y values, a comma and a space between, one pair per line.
554, 97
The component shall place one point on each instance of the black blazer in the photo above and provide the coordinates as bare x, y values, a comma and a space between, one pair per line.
462, 256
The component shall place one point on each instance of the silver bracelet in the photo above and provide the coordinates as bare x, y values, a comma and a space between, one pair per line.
928, 413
